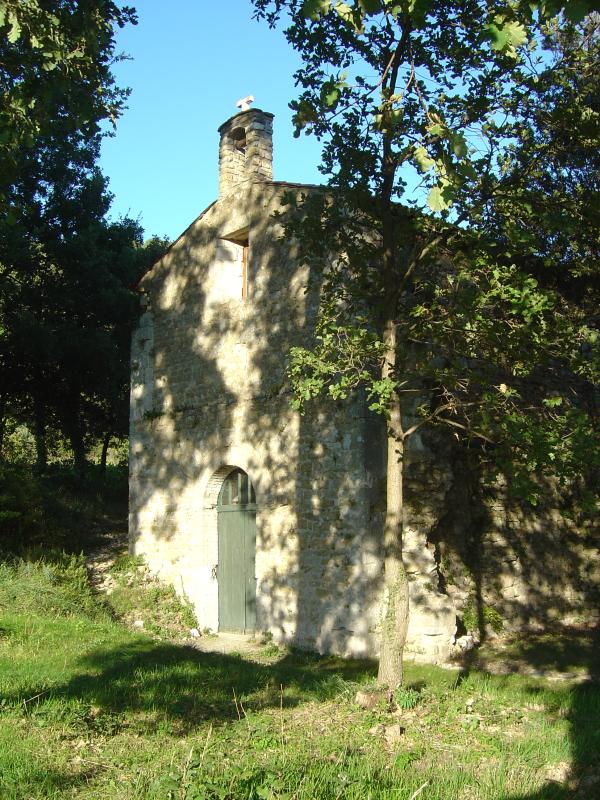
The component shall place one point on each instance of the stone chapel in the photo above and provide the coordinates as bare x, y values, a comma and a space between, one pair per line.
268, 521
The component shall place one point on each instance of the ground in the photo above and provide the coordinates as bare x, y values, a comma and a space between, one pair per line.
107, 693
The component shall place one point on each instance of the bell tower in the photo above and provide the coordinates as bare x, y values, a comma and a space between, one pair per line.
245, 148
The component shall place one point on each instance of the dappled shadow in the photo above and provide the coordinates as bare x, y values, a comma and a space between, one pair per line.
173, 380
559, 652
318, 548
545, 654
210, 393
188, 687
181, 412
582, 778
41, 780
509, 565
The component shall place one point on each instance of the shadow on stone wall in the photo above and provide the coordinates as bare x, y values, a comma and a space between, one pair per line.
320, 483
509, 563
314, 597
333, 484
168, 463
314, 507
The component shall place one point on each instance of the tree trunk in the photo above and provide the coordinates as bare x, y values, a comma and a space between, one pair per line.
394, 622
395, 603
2, 425
105, 444
78, 449
41, 448
75, 434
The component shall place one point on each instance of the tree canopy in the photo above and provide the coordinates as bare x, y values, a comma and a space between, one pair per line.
66, 272
457, 241
55, 70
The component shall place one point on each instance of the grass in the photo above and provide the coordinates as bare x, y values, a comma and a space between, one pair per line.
567, 652
135, 595
90, 709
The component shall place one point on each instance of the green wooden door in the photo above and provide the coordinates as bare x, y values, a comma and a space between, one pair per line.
237, 547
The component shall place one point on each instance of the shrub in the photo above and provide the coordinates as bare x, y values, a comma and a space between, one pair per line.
58, 509
490, 617
21, 506
407, 697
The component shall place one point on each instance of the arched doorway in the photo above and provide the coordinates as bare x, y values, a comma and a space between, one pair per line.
236, 507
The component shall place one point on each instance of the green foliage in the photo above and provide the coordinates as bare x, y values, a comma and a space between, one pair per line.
474, 301
18, 443
56, 60
58, 509
407, 697
344, 357
66, 272
67, 305
493, 297
473, 617
21, 506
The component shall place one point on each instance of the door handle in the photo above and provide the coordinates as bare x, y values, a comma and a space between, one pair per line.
213, 572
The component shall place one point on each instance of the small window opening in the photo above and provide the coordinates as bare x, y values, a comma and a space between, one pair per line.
238, 136
238, 253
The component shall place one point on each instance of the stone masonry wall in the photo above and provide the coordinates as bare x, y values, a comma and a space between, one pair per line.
209, 393
510, 563
245, 149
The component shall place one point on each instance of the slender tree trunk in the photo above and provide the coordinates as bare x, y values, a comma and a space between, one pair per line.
78, 449
395, 600
75, 433
105, 445
395, 603
2, 424
41, 448
395, 580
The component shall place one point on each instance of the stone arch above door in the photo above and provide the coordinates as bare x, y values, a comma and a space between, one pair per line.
213, 487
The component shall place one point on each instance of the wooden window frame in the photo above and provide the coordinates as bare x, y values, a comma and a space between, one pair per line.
242, 239
245, 271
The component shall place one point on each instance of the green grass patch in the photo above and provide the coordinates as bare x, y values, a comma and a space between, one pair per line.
135, 595
90, 709
565, 651
56, 585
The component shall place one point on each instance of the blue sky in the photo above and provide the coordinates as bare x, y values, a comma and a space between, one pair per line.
191, 60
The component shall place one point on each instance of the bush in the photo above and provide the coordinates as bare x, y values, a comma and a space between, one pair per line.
21, 507
490, 617
407, 697
58, 509
18, 443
